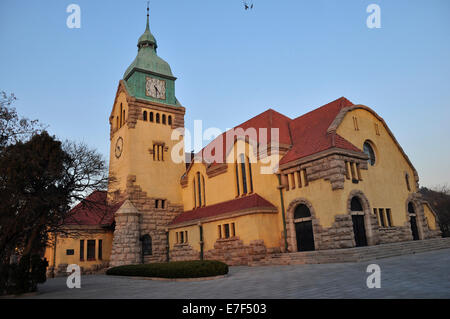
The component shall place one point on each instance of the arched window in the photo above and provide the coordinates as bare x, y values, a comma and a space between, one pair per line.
157, 117
117, 122
368, 150
164, 119
151, 116
250, 174
355, 205
144, 116
302, 211
199, 190
169, 120
123, 118
147, 245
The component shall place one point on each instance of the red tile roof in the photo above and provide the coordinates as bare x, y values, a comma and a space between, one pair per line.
93, 210
235, 205
268, 119
309, 132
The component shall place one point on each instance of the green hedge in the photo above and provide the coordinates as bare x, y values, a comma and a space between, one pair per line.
176, 269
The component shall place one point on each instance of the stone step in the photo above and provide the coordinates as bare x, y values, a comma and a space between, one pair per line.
357, 254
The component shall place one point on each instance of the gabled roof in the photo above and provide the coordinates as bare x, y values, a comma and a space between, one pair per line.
236, 205
93, 210
309, 132
268, 119
306, 135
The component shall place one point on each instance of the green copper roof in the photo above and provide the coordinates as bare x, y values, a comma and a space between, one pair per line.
147, 59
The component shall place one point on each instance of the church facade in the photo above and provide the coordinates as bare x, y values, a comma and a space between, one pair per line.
333, 178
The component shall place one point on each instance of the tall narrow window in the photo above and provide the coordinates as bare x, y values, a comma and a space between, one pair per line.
237, 179
151, 117
123, 117
382, 220
156, 203
243, 173
219, 231
147, 248
91, 250
100, 249
81, 250
195, 192
182, 237
120, 114
199, 188
226, 230
203, 191
233, 230
389, 217
117, 122
157, 117
164, 119
144, 116
250, 174
169, 120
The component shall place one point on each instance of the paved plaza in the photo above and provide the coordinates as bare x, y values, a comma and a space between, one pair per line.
425, 275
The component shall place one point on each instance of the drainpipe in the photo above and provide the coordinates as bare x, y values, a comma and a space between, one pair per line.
167, 245
200, 227
280, 187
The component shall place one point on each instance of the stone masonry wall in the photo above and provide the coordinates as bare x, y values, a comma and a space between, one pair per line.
183, 252
233, 252
148, 219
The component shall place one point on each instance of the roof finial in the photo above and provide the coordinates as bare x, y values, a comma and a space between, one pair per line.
148, 9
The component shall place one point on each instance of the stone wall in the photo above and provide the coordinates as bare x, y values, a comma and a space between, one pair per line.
147, 219
233, 252
183, 252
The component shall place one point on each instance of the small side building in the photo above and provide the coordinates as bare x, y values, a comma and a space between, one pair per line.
86, 237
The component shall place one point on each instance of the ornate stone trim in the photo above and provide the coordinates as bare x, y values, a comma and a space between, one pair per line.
290, 224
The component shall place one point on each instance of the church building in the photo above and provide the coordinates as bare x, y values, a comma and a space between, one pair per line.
333, 178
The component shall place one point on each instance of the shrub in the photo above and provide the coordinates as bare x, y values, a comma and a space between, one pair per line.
176, 269
24, 276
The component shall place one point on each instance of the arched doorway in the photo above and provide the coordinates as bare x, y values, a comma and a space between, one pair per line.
359, 227
413, 221
303, 228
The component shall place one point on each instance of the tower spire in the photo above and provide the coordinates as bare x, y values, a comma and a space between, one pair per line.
148, 9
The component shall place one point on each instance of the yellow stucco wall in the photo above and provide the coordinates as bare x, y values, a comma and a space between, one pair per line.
429, 215
383, 184
160, 179
247, 228
64, 243
223, 188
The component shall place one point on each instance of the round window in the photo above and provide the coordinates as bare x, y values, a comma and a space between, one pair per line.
368, 150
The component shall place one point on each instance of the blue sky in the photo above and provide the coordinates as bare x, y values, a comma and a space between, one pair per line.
233, 64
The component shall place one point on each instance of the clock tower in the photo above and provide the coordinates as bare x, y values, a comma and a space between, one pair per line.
146, 164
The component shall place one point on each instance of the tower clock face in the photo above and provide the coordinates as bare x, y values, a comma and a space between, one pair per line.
155, 88
119, 147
